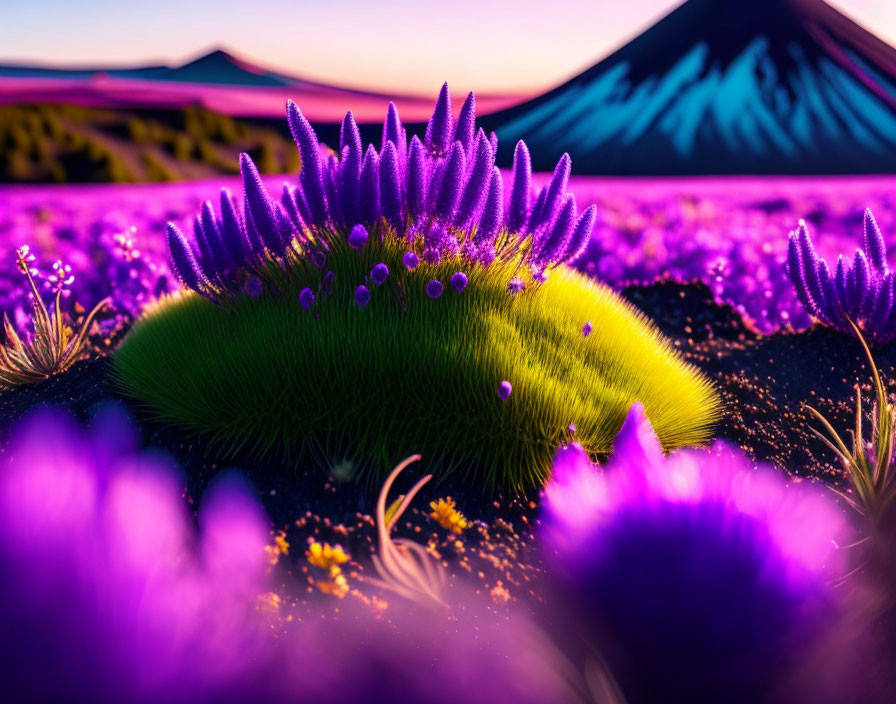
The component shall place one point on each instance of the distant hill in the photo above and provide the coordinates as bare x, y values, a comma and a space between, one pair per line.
219, 81
724, 86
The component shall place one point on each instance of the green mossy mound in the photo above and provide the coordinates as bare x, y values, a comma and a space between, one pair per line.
410, 374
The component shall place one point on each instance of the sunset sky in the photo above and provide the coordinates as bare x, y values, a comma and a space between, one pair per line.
485, 45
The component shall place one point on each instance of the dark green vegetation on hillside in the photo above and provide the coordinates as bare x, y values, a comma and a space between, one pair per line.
69, 144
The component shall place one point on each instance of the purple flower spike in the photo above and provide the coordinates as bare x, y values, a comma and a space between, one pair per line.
504, 389
553, 194
452, 178
392, 129
445, 190
465, 129
434, 288
861, 291
311, 175
477, 186
370, 187
459, 281
519, 194
557, 240
306, 298
183, 262
379, 274
493, 211
390, 186
362, 295
417, 182
515, 286
357, 238
349, 135
439, 131
587, 329
261, 208
581, 235
410, 260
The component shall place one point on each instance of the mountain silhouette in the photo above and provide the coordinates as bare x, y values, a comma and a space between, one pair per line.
721, 87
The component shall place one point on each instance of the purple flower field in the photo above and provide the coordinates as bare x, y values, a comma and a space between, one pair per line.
730, 233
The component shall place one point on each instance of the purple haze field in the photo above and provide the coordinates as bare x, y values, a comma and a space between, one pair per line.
728, 232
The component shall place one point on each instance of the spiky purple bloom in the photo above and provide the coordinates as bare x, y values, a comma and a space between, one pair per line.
516, 286
311, 176
183, 262
699, 558
451, 183
439, 129
447, 183
863, 291
504, 389
306, 298
379, 274
390, 186
434, 288
518, 212
357, 238
459, 281
587, 329
478, 182
362, 295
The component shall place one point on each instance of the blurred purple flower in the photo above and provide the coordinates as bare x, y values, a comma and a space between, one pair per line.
410, 260
504, 389
698, 559
587, 329
515, 286
306, 298
379, 274
362, 295
357, 238
434, 288
458, 281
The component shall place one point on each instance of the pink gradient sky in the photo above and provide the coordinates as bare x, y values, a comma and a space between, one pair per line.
396, 45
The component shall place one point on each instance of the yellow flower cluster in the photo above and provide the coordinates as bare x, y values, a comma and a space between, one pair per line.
447, 515
280, 547
329, 558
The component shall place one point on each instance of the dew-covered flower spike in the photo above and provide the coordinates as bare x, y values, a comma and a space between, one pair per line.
442, 198
861, 289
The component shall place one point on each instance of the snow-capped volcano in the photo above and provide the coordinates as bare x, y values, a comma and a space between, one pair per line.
724, 86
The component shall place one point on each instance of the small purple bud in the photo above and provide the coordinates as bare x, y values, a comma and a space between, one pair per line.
326, 286
459, 281
434, 289
571, 428
540, 276
379, 274
254, 287
318, 258
410, 260
431, 256
515, 286
587, 329
357, 238
362, 295
306, 298
504, 389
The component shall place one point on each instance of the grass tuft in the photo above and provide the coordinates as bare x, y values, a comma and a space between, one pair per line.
410, 373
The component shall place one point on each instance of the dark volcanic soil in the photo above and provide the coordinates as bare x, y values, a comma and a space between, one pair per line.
765, 382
